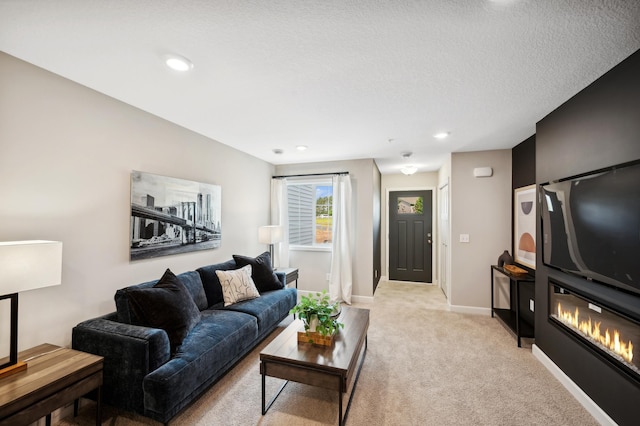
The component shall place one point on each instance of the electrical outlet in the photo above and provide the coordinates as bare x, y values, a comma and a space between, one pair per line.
531, 305
464, 238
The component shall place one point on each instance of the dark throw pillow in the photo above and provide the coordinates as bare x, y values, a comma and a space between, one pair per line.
261, 271
167, 305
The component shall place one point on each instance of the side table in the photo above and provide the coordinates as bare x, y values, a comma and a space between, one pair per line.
54, 377
291, 274
511, 317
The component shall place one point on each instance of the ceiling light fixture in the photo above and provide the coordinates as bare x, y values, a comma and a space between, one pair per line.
301, 147
178, 63
441, 135
408, 169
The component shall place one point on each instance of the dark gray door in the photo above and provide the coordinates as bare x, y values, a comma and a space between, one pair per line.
410, 236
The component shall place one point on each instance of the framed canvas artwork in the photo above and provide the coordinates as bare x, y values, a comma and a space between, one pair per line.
170, 216
524, 221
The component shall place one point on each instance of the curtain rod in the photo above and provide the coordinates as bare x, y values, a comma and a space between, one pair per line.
310, 174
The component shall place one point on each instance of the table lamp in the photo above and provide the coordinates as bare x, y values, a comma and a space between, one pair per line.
25, 265
271, 235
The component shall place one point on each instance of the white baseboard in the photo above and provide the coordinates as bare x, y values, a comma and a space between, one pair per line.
470, 310
593, 409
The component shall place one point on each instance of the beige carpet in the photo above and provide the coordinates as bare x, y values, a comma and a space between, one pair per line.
424, 366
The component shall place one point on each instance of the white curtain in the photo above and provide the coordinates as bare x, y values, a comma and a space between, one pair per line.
279, 216
340, 284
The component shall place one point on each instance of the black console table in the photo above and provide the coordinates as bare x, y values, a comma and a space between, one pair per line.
511, 317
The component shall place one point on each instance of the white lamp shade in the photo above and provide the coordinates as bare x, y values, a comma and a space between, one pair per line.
270, 234
27, 265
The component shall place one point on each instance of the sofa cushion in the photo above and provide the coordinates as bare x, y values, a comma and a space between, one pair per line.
261, 271
193, 283
237, 285
270, 308
214, 344
167, 305
211, 283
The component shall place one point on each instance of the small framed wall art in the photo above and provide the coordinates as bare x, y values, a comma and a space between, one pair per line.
524, 229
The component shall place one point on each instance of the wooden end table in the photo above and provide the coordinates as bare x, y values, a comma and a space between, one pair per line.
291, 275
54, 377
328, 367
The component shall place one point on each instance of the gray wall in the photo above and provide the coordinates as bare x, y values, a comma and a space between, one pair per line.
480, 207
599, 127
66, 153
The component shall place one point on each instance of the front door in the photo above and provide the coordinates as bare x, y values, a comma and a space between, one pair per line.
410, 235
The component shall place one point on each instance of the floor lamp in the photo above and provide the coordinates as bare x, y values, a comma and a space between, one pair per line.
271, 235
25, 265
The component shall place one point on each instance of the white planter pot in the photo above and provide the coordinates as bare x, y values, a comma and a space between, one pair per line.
313, 323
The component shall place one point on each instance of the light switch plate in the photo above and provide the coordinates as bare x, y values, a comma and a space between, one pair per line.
531, 305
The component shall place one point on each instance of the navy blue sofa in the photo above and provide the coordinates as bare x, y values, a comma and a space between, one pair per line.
143, 373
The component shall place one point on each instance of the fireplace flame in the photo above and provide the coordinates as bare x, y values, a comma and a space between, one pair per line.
592, 330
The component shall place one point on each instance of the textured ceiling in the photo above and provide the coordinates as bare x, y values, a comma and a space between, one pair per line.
342, 77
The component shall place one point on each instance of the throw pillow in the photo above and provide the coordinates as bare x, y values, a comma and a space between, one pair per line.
167, 305
261, 271
237, 285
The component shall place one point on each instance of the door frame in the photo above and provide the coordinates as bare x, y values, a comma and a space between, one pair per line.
434, 231
444, 258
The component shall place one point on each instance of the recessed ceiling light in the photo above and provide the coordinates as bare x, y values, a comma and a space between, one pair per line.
178, 63
441, 135
301, 147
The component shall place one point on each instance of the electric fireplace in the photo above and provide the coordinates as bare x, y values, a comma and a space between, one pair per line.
611, 334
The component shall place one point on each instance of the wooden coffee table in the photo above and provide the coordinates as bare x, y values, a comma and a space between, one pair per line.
329, 367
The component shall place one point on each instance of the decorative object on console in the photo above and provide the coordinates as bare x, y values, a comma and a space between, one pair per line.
505, 259
170, 216
317, 315
524, 218
26, 265
270, 234
514, 270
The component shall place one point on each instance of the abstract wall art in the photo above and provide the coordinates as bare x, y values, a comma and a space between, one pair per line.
524, 229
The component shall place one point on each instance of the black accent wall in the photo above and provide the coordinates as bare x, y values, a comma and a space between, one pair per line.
523, 158
597, 128
523, 173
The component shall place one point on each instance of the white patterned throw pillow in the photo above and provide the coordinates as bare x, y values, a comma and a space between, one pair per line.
237, 285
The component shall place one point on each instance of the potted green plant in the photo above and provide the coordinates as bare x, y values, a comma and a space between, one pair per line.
317, 315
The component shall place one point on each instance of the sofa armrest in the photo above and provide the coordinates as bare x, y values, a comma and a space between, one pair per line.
130, 353
282, 276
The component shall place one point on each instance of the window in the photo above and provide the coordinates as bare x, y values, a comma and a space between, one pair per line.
310, 213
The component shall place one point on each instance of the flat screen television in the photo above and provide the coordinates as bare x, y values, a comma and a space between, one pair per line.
591, 225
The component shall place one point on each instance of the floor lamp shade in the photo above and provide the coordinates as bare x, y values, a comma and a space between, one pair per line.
271, 235
25, 265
